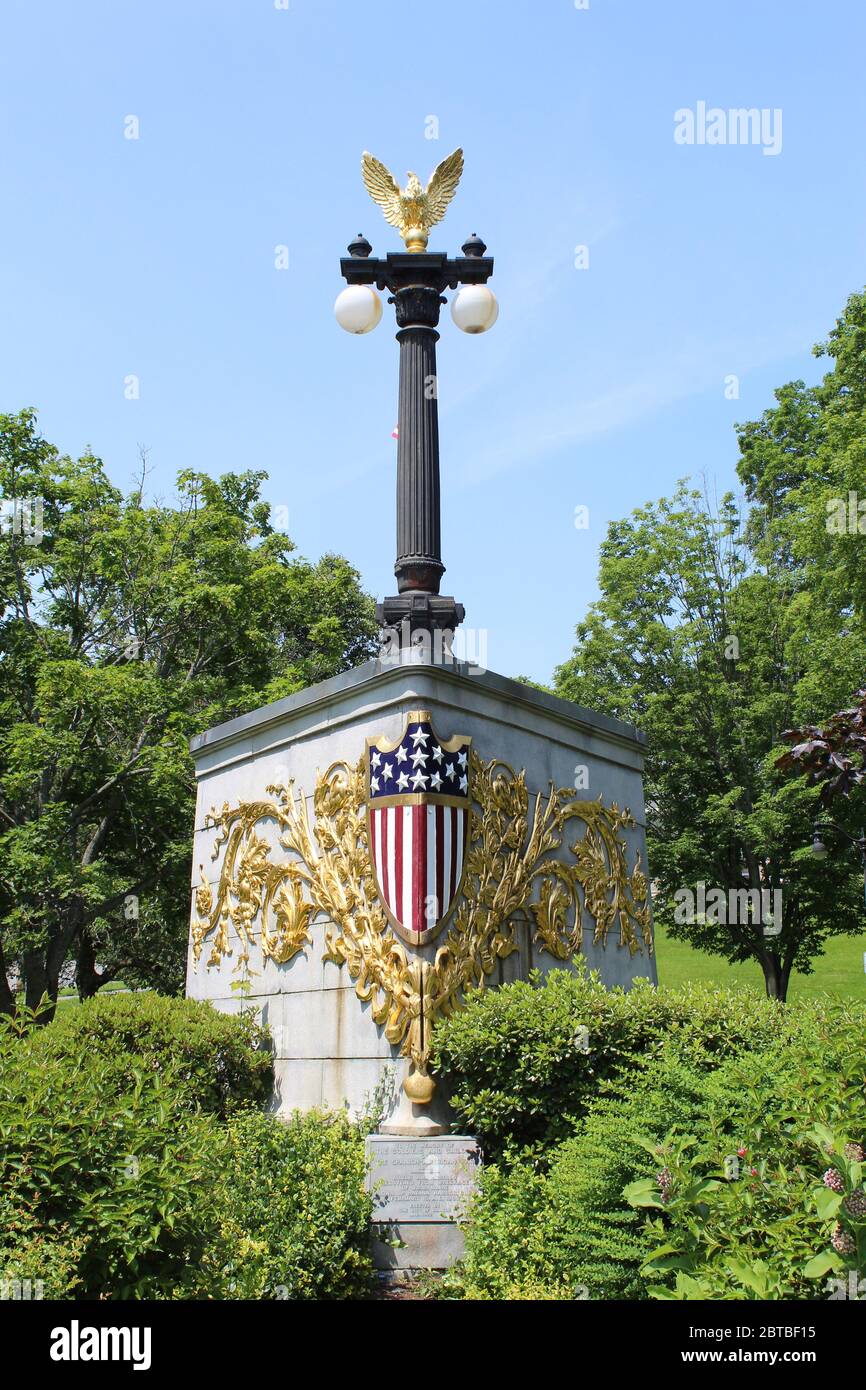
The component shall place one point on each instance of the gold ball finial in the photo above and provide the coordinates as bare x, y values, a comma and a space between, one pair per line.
419, 1087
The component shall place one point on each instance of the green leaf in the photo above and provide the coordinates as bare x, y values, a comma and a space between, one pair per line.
827, 1202
643, 1193
821, 1264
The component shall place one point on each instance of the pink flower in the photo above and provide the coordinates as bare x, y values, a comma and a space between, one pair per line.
666, 1183
833, 1180
841, 1242
856, 1203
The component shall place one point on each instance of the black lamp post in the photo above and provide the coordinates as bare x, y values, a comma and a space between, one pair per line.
416, 281
819, 848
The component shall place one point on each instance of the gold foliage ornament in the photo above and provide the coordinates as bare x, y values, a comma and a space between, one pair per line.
509, 872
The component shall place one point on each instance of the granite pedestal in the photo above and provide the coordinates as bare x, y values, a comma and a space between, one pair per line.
328, 1049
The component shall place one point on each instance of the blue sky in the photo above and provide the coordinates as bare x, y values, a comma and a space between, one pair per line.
599, 387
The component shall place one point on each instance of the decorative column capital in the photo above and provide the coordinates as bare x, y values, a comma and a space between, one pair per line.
417, 306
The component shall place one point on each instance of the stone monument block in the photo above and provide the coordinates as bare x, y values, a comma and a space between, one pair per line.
527, 812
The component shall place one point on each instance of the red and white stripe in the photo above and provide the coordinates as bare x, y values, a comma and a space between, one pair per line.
418, 856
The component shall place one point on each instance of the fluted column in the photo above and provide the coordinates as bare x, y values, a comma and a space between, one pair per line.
416, 281
419, 541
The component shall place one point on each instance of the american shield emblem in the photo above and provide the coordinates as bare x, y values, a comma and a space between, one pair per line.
418, 797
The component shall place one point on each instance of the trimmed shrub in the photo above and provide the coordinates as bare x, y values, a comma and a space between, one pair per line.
513, 1063
122, 1182
114, 1185
568, 1230
752, 1174
769, 1203
510, 1247
216, 1062
294, 1215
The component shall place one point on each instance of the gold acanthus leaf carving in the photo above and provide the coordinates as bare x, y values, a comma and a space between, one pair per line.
510, 870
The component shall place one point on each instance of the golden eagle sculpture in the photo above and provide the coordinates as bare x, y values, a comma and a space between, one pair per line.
413, 209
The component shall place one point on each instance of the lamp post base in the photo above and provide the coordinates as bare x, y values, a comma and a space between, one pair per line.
415, 611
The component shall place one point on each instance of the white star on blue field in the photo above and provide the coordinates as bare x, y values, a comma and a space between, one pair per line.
418, 764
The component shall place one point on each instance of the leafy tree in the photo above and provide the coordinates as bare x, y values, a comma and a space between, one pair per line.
716, 637
834, 755
128, 627
802, 465
714, 650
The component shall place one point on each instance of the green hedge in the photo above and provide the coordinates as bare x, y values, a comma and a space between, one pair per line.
510, 1247
219, 1063
121, 1181
563, 1229
515, 1071
294, 1215
592, 1217
134, 1163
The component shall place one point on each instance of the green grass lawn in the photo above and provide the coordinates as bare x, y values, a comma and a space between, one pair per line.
839, 971
69, 994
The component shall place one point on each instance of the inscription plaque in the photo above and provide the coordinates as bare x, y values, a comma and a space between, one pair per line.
421, 1179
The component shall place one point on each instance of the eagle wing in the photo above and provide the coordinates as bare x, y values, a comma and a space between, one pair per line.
382, 188
442, 187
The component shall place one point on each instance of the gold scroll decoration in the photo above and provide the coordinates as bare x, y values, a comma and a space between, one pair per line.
510, 869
